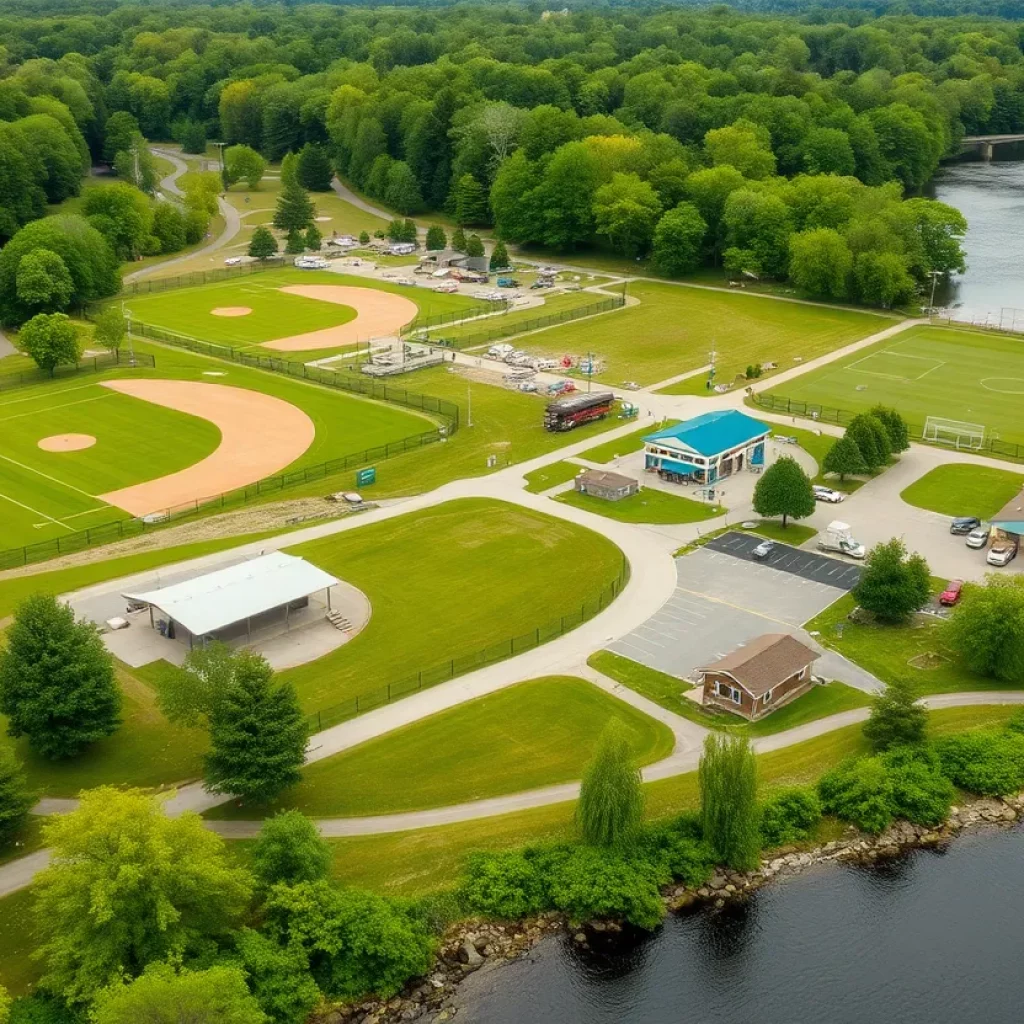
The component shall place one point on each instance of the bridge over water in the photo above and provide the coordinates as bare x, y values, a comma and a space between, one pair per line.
985, 144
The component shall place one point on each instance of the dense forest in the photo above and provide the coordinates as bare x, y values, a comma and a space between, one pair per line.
788, 145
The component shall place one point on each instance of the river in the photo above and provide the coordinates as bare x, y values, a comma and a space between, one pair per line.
933, 938
991, 196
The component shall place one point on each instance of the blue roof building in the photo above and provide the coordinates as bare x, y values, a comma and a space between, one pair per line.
707, 448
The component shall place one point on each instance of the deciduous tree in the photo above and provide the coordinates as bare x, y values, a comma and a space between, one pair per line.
844, 458
784, 489
896, 718
679, 240
289, 849
727, 779
44, 281
15, 800
189, 695
51, 340
626, 211
895, 427
242, 163
987, 628
611, 803
820, 262
109, 328
872, 440
894, 584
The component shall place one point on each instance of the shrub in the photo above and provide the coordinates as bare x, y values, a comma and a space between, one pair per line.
290, 849
674, 854
504, 885
896, 717
985, 762
590, 883
858, 790
789, 816
920, 792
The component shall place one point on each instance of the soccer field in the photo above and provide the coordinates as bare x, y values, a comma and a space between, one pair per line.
273, 313
674, 328
928, 371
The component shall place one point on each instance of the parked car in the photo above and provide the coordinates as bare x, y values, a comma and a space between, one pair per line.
232, 261
1003, 552
978, 537
951, 594
827, 494
764, 549
964, 524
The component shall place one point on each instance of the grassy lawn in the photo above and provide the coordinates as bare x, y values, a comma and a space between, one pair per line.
926, 371
914, 652
426, 860
673, 328
791, 533
129, 449
648, 505
668, 691
447, 583
964, 490
626, 445
18, 972
506, 424
551, 475
533, 734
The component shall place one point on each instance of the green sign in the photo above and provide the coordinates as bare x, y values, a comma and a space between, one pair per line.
365, 477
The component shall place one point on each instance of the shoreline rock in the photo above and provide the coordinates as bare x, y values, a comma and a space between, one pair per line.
473, 944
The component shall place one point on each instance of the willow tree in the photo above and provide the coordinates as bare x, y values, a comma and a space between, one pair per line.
727, 778
611, 802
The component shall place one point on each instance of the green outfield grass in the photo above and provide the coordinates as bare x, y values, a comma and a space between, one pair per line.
447, 582
275, 314
964, 490
537, 733
648, 505
927, 371
551, 475
45, 495
634, 442
674, 328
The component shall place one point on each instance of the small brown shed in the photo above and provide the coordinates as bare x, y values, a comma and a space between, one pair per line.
762, 675
603, 484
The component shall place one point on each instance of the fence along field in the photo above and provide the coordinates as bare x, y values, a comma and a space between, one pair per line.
924, 372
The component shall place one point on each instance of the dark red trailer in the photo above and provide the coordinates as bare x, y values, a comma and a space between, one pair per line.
567, 413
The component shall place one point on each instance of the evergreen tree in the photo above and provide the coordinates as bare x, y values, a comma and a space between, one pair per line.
14, 796
896, 718
611, 802
364, 237
458, 241
409, 233
257, 734
727, 779
784, 489
396, 229
295, 209
192, 136
474, 246
290, 169
894, 584
262, 245
470, 201
436, 238
57, 683
295, 242
499, 256
843, 458
315, 172
313, 238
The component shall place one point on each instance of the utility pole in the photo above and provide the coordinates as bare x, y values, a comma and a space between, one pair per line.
127, 313
935, 277
223, 169
469, 405
712, 356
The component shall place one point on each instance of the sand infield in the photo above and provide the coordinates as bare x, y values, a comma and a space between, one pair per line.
378, 315
231, 311
66, 442
260, 436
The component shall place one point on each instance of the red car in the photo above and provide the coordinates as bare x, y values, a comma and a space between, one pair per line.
951, 594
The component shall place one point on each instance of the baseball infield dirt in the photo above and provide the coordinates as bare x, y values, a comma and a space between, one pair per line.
231, 311
378, 315
66, 442
260, 436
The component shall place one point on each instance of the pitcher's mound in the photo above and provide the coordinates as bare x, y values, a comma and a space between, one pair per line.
231, 311
67, 442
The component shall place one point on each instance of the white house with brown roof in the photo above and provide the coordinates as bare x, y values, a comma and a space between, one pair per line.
760, 676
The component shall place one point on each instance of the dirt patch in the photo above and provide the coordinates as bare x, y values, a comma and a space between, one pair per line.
66, 442
231, 311
378, 315
928, 661
260, 436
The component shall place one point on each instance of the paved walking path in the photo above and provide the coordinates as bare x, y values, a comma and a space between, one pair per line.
6, 347
344, 192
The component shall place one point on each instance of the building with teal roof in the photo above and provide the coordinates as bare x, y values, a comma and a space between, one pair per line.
707, 448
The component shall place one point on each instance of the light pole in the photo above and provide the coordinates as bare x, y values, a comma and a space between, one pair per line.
469, 405
934, 274
127, 314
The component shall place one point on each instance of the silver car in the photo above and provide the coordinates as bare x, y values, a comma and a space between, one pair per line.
1002, 553
827, 494
978, 537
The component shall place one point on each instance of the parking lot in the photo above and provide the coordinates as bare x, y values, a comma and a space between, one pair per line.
722, 601
805, 564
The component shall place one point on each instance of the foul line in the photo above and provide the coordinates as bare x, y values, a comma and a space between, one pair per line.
46, 476
35, 511
35, 398
50, 408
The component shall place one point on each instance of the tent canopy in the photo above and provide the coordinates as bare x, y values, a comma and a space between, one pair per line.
220, 599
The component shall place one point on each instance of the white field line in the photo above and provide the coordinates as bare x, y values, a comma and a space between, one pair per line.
77, 515
50, 408
35, 398
46, 476
855, 366
35, 511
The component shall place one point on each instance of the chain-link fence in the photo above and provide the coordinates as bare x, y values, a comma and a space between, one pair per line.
150, 286
442, 671
94, 364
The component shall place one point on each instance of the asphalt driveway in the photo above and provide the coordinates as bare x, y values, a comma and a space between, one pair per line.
806, 564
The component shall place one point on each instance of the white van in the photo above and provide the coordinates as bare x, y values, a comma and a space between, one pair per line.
500, 351
311, 263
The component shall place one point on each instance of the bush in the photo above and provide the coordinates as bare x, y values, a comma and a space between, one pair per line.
896, 718
920, 792
858, 790
789, 816
290, 849
503, 885
674, 853
985, 762
588, 883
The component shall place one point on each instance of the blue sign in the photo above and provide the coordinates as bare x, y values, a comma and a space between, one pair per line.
365, 477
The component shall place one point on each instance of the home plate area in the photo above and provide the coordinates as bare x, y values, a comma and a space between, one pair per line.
721, 602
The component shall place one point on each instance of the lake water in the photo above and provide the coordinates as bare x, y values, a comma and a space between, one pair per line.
991, 196
934, 938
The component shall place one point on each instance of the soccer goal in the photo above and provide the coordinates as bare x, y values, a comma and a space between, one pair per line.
957, 433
